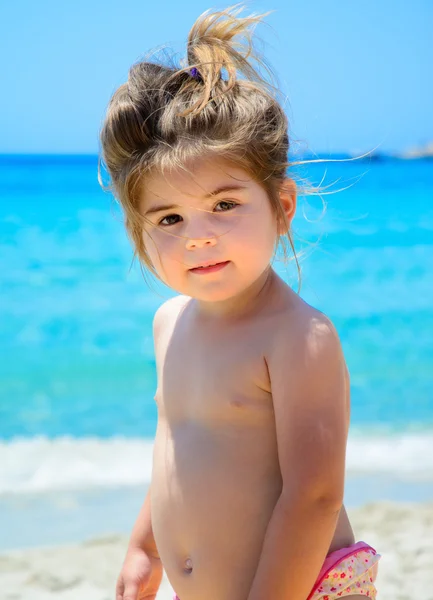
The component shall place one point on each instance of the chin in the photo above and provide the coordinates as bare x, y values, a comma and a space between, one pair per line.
217, 295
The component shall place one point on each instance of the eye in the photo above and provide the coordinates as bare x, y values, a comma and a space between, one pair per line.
170, 220
226, 205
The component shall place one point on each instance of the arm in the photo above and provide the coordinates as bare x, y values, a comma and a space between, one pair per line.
310, 395
142, 535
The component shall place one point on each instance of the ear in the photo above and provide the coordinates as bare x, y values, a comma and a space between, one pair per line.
288, 198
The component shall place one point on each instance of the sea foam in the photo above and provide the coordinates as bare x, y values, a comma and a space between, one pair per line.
43, 465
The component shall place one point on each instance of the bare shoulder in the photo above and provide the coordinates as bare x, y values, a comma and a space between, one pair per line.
167, 314
313, 327
302, 332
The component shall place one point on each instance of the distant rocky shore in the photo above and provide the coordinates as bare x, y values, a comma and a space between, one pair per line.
420, 152
412, 153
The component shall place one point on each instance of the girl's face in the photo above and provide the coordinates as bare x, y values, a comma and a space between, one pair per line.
234, 229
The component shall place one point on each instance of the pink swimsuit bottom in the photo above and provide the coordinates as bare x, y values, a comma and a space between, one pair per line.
346, 572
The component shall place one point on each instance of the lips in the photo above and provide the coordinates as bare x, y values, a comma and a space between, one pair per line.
209, 267
207, 264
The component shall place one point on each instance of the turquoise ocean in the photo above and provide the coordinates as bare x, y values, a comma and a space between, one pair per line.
77, 369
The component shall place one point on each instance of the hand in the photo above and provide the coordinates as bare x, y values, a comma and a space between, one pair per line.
140, 576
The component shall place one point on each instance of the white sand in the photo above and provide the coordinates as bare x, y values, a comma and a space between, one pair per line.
402, 533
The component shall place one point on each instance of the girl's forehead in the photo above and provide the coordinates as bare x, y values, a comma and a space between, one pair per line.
201, 181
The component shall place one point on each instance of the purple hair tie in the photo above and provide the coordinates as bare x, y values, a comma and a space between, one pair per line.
195, 73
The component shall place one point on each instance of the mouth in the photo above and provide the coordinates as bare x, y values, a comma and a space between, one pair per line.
209, 267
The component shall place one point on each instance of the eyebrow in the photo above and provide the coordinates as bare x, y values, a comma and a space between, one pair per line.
220, 190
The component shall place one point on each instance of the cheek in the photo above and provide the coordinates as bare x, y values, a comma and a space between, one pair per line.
160, 245
150, 246
257, 232
155, 252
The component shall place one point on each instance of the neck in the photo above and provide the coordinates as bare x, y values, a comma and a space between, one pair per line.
245, 301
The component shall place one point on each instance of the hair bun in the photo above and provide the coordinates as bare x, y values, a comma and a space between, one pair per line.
222, 40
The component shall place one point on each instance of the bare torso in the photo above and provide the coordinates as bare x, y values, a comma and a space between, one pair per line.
216, 478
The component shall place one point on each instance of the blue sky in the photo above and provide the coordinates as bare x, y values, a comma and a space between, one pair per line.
356, 74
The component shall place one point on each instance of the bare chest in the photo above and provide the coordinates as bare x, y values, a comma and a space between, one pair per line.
212, 378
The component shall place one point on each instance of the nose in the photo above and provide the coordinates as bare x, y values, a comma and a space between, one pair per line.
199, 231
197, 243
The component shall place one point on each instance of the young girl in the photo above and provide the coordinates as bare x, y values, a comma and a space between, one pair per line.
246, 497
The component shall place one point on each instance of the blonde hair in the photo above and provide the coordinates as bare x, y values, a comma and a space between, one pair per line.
162, 117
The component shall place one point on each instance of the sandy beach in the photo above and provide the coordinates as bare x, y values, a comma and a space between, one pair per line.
402, 533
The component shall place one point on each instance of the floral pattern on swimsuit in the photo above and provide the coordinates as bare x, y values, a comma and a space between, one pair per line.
353, 575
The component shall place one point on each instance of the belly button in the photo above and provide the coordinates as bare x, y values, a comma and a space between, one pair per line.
188, 566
